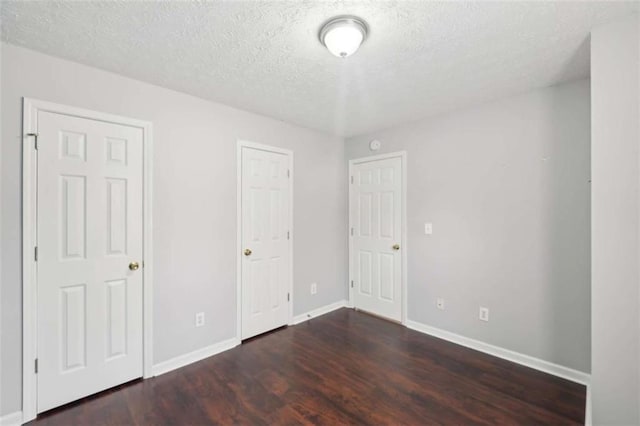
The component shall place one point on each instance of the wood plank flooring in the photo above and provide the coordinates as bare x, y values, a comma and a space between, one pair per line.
345, 367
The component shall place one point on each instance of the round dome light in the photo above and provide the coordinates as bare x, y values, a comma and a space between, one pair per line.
343, 35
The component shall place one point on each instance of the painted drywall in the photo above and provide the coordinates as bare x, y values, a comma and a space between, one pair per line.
194, 202
615, 89
506, 187
2, 311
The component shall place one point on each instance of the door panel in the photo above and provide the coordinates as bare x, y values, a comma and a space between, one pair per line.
375, 210
89, 228
265, 280
73, 320
73, 208
116, 318
116, 216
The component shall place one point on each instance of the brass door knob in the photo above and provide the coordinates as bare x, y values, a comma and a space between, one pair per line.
134, 266
396, 247
247, 252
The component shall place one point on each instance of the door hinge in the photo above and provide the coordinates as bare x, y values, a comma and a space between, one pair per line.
351, 179
288, 235
351, 283
36, 365
35, 137
352, 232
288, 173
288, 297
35, 253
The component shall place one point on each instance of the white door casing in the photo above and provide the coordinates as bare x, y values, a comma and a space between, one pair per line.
87, 314
377, 236
265, 238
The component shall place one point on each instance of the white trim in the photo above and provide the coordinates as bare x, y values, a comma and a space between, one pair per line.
195, 356
261, 147
288, 153
403, 214
587, 410
29, 270
522, 359
147, 250
13, 419
314, 313
31, 107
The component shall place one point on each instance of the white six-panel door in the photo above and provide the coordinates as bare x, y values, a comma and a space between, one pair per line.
90, 241
265, 264
376, 235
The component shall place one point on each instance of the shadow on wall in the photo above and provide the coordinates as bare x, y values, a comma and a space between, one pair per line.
567, 180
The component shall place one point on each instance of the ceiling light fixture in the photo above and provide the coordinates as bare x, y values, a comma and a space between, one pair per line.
343, 35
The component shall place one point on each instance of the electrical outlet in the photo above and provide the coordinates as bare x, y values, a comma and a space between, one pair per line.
484, 314
428, 228
314, 288
440, 303
199, 319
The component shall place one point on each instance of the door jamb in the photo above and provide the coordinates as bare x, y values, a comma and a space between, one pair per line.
31, 107
403, 231
289, 154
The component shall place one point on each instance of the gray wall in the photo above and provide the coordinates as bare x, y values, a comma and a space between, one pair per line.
2, 310
194, 202
506, 186
615, 89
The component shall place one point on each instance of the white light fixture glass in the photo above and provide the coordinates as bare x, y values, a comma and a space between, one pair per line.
343, 35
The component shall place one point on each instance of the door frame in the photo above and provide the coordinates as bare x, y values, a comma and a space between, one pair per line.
247, 144
403, 229
31, 107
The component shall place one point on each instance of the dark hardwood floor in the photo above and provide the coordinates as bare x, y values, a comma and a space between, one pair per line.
345, 367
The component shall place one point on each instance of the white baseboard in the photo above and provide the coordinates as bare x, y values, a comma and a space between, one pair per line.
195, 356
200, 354
518, 358
317, 312
13, 419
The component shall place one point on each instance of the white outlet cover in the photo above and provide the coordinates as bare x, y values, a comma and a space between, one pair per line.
484, 314
314, 288
199, 319
428, 228
440, 303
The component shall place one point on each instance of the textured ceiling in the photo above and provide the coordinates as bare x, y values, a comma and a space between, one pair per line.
421, 57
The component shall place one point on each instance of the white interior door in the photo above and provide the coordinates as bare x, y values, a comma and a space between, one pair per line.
90, 236
376, 255
266, 257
